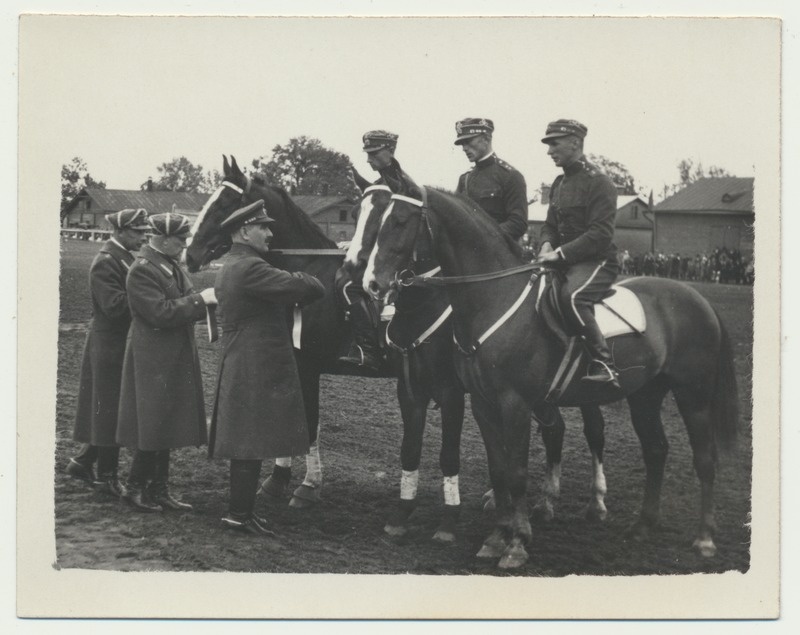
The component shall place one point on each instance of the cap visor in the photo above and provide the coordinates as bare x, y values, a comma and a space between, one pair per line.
555, 135
465, 137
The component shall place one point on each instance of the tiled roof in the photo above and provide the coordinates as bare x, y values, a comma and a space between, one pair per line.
313, 205
155, 202
719, 194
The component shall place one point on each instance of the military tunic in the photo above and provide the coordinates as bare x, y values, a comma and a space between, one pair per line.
501, 192
104, 350
580, 218
258, 409
161, 400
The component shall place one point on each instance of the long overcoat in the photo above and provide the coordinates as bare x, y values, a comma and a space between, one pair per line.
258, 408
104, 350
161, 400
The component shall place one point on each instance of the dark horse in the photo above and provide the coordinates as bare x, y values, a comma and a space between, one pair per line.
299, 244
414, 304
684, 349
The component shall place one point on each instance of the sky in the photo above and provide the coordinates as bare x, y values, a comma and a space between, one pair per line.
128, 94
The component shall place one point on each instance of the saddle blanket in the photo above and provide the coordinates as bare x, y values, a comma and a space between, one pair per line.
623, 303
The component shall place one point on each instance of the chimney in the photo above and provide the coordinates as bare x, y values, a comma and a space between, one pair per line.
545, 194
149, 183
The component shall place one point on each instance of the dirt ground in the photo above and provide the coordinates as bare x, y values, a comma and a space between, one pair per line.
360, 441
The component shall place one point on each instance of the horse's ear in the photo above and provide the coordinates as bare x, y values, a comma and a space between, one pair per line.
226, 168
234, 166
361, 182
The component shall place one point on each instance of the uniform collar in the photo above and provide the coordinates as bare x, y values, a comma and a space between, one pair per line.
111, 246
487, 160
159, 258
240, 249
576, 166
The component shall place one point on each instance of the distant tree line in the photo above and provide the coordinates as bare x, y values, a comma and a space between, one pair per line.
305, 166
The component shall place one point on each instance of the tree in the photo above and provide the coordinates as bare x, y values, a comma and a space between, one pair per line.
688, 173
617, 172
74, 177
305, 166
181, 175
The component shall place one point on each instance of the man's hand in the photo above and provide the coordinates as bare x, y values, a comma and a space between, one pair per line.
550, 256
208, 295
546, 249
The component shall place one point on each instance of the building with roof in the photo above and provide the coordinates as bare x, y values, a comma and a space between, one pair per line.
89, 207
91, 204
709, 214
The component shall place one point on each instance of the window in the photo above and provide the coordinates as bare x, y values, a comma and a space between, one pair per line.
343, 215
634, 212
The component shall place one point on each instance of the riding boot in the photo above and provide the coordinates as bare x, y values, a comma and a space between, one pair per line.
81, 465
365, 351
107, 481
243, 484
142, 469
159, 487
601, 369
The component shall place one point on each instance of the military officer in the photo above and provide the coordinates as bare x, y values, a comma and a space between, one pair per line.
161, 398
492, 183
258, 410
578, 234
362, 314
101, 369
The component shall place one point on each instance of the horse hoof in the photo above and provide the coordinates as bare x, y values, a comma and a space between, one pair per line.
273, 488
444, 537
543, 510
493, 547
513, 557
705, 547
395, 531
596, 513
305, 496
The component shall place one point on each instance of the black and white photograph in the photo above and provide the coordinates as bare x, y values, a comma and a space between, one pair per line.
399, 316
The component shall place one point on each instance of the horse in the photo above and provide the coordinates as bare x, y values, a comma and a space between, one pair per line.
441, 357
508, 356
415, 361
419, 347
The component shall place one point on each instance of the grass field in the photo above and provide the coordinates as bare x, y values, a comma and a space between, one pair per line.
360, 440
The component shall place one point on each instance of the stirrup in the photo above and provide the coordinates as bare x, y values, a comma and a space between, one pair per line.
612, 375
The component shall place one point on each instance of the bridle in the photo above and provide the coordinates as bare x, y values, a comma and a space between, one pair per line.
407, 278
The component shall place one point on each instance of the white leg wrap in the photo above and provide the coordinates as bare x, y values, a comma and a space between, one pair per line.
285, 461
450, 486
313, 467
408, 485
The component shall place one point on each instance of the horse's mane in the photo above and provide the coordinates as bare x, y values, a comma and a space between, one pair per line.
481, 217
304, 231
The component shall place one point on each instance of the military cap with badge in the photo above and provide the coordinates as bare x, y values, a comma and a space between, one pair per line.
129, 219
472, 127
375, 140
253, 214
564, 128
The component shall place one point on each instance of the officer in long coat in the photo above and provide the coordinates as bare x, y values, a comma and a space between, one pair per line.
161, 401
578, 235
258, 409
492, 183
101, 368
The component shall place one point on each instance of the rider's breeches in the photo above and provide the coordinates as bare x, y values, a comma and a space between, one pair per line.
586, 283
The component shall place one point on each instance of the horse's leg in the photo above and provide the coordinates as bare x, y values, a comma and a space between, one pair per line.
309, 491
490, 424
516, 418
551, 427
695, 409
594, 431
645, 406
451, 399
413, 409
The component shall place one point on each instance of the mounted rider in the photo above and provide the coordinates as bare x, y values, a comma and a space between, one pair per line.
361, 311
492, 183
578, 235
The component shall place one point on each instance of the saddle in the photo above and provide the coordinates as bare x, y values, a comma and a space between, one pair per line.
618, 313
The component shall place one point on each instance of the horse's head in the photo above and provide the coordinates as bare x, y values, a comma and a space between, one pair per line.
207, 242
374, 202
401, 223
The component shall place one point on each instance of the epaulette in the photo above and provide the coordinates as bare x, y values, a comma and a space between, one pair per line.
505, 165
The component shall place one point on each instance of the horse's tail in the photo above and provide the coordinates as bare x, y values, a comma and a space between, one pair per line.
725, 400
